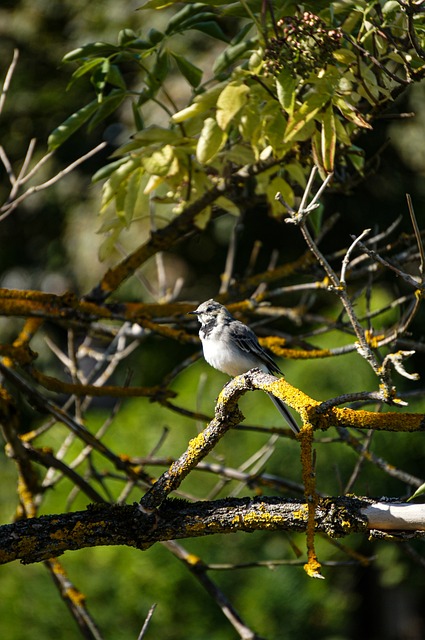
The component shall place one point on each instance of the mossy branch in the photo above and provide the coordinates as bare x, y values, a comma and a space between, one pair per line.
38, 539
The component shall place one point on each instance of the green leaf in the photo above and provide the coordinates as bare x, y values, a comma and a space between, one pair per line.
391, 9
350, 113
211, 28
192, 74
274, 126
155, 36
308, 110
228, 205
356, 157
210, 141
117, 179
239, 154
71, 125
202, 103
285, 86
103, 49
138, 119
231, 54
107, 106
108, 169
316, 153
156, 4
160, 69
191, 111
419, 492
108, 245
230, 102
202, 218
86, 67
341, 132
345, 56
99, 77
115, 78
328, 139
133, 192
160, 161
177, 21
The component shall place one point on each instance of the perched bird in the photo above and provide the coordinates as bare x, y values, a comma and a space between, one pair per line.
233, 348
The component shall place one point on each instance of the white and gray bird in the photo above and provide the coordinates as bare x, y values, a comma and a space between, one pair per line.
233, 348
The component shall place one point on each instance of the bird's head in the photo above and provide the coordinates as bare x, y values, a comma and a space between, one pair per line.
209, 310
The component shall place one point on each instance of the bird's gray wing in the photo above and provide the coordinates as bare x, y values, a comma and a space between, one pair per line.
247, 341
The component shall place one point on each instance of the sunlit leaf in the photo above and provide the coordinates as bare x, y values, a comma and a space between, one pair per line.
230, 102
419, 492
316, 150
302, 116
202, 218
274, 125
117, 179
350, 113
193, 110
328, 139
134, 191
210, 141
345, 56
160, 161
285, 86
227, 205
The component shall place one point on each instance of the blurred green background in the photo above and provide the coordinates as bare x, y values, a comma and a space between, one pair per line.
50, 244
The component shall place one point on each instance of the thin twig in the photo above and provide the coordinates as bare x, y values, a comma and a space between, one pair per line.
9, 206
147, 622
347, 256
8, 78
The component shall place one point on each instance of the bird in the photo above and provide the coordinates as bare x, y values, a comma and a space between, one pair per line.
233, 348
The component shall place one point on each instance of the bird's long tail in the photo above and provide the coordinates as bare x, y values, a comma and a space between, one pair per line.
283, 409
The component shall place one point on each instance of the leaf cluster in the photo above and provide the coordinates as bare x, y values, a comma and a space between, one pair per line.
291, 87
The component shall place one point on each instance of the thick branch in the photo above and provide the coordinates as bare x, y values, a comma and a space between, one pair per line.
37, 539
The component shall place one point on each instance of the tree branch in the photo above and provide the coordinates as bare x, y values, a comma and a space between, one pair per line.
38, 539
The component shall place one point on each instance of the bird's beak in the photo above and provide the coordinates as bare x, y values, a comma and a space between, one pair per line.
192, 313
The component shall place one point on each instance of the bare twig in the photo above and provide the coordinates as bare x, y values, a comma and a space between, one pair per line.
10, 205
8, 79
146, 622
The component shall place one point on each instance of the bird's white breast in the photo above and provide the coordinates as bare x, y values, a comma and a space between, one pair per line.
222, 355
